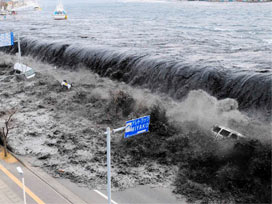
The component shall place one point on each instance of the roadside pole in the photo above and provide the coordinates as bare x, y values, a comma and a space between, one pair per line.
23, 179
19, 49
133, 127
109, 159
20, 171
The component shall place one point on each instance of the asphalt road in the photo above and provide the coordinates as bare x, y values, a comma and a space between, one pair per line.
37, 191
140, 194
147, 194
42, 188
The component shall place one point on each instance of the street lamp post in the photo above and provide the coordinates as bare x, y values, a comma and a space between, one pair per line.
20, 171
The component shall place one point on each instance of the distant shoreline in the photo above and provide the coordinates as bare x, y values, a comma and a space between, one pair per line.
245, 1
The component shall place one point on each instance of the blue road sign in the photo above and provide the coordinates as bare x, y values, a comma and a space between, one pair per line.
137, 126
6, 39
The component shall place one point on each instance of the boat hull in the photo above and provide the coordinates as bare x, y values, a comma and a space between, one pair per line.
60, 17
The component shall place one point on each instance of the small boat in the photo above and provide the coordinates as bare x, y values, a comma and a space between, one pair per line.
60, 13
221, 132
37, 6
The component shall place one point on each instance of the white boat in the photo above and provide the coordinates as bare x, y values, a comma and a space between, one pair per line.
37, 6
60, 13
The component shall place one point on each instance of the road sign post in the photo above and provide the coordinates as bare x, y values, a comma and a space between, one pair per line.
19, 49
108, 132
133, 127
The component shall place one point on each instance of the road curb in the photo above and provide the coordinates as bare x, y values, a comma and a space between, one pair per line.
50, 181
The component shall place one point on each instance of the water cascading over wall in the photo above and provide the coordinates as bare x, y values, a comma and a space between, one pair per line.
251, 89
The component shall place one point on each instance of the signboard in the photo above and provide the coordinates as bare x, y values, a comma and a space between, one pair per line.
137, 126
6, 39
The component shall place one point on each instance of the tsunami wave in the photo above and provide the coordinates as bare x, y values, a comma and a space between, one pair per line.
251, 89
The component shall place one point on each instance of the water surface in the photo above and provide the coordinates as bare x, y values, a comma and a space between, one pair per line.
231, 35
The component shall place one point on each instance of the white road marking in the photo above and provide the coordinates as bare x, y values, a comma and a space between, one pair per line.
104, 196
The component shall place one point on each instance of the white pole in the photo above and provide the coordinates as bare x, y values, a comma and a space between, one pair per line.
109, 164
20, 171
24, 189
19, 49
108, 132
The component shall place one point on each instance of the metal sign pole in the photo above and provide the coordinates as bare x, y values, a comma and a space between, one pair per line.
108, 132
19, 49
133, 127
109, 164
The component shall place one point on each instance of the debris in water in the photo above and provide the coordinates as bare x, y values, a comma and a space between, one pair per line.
221, 132
64, 83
